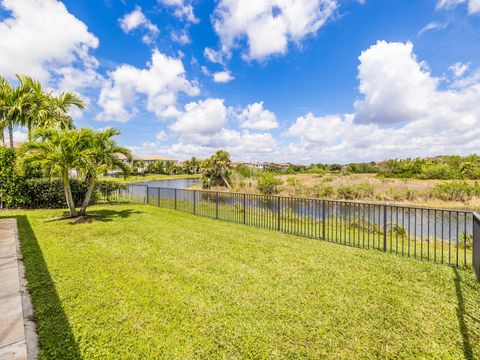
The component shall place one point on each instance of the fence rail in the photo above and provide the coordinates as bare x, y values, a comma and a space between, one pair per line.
438, 235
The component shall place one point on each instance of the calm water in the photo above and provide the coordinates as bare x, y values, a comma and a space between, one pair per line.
421, 223
173, 183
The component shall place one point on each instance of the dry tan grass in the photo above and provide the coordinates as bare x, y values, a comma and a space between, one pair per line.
395, 191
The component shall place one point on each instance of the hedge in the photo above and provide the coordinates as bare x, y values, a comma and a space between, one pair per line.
29, 191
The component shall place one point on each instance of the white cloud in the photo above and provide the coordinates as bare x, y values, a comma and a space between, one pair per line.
434, 25
137, 19
254, 116
403, 113
459, 69
41, 36
181, 37
213, 55
183, 9
269, 25
473, 5
222, 76
202, 130
161, 82
241, 145
203, 117
389, 75
161, 136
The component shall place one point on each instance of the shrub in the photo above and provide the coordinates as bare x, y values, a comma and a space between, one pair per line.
455, 191
244, 171
323, 191
353, 192
437, 171
11, 183
268, 183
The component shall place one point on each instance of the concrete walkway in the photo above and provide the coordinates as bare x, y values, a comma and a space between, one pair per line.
14, 300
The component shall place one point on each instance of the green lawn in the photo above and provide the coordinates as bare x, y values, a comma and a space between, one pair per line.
145, 282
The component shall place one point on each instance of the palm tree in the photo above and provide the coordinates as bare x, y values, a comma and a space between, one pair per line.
105, 156
8, 102
58, 108
58, 152
35, 104
217, 169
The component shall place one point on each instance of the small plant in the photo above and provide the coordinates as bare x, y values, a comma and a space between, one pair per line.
268, 183
323, 191
398, 229
353, 192
465, 239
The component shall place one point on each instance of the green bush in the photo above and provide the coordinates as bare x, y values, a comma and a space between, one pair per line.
30, 191
353, 192
245, 171
268, 183
438, 171
11, 183
323, 191
455, 191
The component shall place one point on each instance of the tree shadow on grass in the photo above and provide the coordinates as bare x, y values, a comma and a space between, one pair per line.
103, 215
56, 340
469, 324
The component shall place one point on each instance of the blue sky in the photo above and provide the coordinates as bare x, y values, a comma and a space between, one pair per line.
286, 80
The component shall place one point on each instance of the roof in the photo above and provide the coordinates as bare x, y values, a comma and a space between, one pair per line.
151, 158
146, 157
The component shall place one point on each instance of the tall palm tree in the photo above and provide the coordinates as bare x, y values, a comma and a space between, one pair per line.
8, 102
105, 156
58, 108
35, 104
58, 152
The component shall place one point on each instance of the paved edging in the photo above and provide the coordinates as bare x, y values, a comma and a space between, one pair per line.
17, 330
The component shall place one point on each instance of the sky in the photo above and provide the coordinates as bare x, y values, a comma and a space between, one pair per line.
301, 81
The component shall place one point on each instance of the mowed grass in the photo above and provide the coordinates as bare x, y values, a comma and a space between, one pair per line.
144, 283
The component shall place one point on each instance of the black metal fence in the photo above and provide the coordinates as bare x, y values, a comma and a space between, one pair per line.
438, 235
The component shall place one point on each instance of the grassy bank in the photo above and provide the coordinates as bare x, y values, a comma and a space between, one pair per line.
369, 188
149, 177
143, 282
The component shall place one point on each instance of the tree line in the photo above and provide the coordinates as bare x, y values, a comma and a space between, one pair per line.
447, 167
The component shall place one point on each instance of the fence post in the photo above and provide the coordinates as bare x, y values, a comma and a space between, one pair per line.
175, 198
158, 197
216, 205
244, 208
324, 216
476, 245
278, 213
385, 228
194, 202
146, 198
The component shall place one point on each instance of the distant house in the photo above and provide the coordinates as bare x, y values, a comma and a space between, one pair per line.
262, 165
143, 159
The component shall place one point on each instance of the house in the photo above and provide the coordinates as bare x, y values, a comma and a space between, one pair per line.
263, 165
143, 160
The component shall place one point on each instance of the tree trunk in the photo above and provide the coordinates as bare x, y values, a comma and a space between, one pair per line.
226, 182
88, 196
29, 131
68, 195
10, 133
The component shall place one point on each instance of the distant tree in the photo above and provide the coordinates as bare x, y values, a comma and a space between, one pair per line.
216, 170
191, 166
